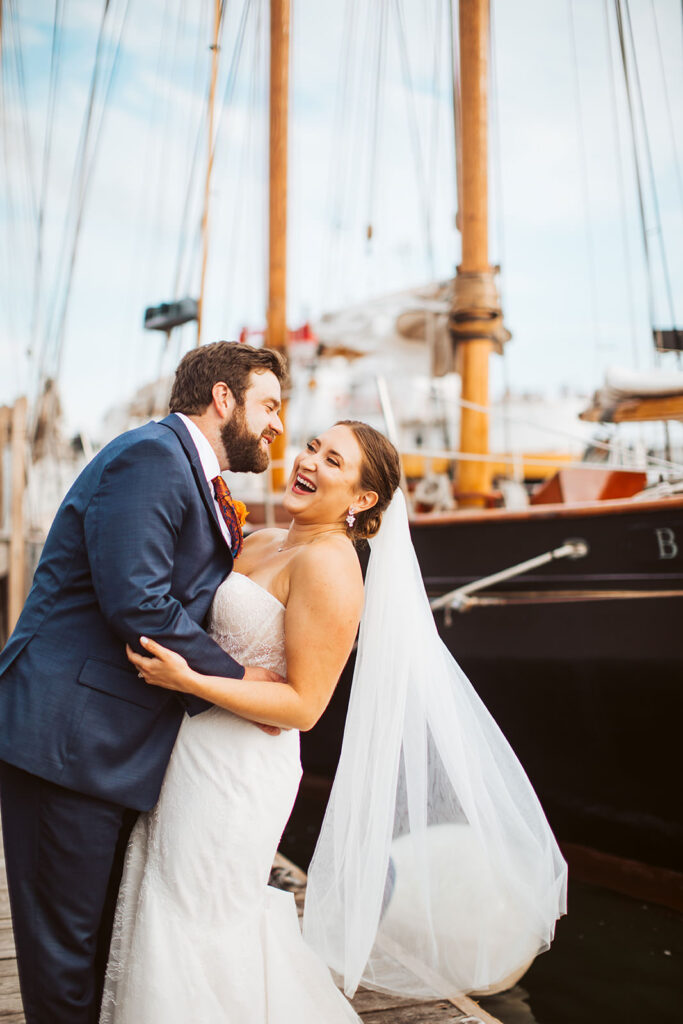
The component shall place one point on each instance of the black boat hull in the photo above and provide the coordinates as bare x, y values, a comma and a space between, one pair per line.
587, 688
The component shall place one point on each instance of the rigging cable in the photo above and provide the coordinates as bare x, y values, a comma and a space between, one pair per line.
630, 290
636, 164
376, 105
415, 133
500, 220
87, 164
246, 157
653, 183
20, 204
340, 124
192, 192
433, 148
228, 93
55, 53
677, 164
454, 45
23, 106
590, 246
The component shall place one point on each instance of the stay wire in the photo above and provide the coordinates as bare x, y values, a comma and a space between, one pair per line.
630, 289
194, 138
78, 172
340, 118
585, 191
653, 180
636, 164
83, 191
244, 158
55, 53
415, 136
237, 203
376, 107
433, 147
23, 105
672, 133
15, 235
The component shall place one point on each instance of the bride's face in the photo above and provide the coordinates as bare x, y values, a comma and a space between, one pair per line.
324, 481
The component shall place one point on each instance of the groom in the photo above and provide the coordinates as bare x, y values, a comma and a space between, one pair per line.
138, 547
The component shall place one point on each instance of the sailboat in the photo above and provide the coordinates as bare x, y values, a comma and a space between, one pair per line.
564, 612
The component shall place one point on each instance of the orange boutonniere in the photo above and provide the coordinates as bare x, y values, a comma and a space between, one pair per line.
242, 511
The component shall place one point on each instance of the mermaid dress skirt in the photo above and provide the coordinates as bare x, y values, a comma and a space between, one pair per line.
199, 935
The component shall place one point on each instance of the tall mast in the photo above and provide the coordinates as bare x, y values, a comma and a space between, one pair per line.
276, 317
209, 165
472, 313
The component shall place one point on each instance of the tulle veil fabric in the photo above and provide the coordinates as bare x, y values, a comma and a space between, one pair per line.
436, 872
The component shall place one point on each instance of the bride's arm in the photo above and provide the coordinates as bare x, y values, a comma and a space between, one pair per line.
321, 619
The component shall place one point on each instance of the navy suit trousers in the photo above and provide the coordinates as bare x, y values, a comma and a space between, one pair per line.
64, 854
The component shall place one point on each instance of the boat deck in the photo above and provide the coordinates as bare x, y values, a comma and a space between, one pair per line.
373, 1007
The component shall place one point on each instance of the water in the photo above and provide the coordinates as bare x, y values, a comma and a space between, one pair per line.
615, 960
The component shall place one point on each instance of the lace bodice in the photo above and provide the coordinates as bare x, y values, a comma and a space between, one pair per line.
249, 623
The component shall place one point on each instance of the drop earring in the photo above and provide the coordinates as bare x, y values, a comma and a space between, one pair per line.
350, 518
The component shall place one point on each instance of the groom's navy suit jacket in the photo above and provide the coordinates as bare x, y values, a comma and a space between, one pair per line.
136, 549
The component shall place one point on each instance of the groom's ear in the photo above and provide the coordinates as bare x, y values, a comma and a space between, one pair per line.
222, 400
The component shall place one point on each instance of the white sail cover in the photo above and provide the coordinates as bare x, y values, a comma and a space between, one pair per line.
436, 872
621, 382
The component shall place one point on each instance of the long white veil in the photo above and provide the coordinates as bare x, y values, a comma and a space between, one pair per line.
435, 872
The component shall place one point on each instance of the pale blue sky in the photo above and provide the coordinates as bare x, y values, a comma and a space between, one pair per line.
571, 313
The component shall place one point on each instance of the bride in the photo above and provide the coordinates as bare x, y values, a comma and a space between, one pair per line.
435, 872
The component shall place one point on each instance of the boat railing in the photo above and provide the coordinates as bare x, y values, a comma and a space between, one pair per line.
460, 598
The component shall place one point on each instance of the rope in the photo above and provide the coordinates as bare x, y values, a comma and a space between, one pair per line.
550, 460
603, 445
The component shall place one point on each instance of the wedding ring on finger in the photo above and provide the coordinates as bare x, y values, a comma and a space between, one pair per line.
140, 675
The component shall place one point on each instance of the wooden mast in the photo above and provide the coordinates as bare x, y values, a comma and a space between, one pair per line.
276, 317
209, 165
474, 477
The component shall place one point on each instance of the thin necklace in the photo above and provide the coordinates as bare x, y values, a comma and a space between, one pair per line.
285, 546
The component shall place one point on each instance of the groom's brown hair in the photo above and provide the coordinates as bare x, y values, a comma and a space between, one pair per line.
231, 362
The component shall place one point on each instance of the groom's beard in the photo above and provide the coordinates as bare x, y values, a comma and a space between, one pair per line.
244, 451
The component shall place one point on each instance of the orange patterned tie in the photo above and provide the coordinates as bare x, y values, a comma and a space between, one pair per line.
230, 514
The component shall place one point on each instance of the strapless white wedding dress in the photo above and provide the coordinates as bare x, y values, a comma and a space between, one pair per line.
199, 936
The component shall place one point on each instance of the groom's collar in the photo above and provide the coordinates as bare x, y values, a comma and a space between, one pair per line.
207, 456
178, 424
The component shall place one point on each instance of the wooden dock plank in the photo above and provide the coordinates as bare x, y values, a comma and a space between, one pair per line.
372, 1007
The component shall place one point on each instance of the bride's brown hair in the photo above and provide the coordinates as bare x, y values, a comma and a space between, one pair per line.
380, 472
